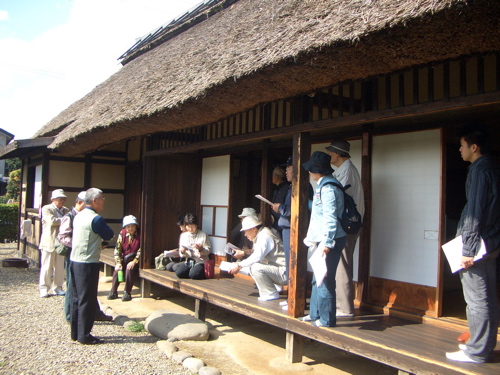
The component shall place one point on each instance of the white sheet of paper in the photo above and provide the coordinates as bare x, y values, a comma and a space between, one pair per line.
226, 266
263, 199
171, 253
318, 264
453, 252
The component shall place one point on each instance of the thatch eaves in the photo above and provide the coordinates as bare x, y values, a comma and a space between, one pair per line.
261, 50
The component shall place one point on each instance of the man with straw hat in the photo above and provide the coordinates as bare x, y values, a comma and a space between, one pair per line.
52, 267
267, 262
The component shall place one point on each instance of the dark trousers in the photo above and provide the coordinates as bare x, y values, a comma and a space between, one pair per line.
84, 284
130, 277
67, 296
197, 272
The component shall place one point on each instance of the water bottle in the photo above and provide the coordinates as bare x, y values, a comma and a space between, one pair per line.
120, 276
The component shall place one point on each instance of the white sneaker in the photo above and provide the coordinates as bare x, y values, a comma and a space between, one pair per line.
462, 346
306, 318
460, 356
270, 297
279, 288
340, 314
283, 303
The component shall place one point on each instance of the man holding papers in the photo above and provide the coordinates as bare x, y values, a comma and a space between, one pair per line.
267, 262
480, 219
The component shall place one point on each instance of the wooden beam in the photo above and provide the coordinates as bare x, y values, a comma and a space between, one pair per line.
294, 347
148, 208
390, 114
265, 185
299, 222
365, 237
200, 309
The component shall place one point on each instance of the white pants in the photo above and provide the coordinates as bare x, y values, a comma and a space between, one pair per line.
51, 272
345, 287
267, 276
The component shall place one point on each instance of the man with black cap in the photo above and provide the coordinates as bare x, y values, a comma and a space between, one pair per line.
279, 193
284, 211
326, 239
347, 174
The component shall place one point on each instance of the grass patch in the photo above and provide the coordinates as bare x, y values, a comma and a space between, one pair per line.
135, 327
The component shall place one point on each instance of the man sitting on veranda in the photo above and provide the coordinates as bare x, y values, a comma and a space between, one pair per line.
267, 262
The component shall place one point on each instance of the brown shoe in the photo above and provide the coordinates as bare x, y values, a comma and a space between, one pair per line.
464, 337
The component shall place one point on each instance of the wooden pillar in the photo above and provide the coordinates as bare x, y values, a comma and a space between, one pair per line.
365, 238
294, 347
200, 309
299, 222
145, 288
148, 205
265, 185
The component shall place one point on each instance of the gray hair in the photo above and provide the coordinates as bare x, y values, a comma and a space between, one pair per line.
91, 194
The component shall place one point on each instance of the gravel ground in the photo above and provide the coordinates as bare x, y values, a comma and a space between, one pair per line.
35, 338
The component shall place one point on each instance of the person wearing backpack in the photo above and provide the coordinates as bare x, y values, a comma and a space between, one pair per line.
347, 174
326, 239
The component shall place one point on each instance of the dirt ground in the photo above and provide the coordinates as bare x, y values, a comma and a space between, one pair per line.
241, 345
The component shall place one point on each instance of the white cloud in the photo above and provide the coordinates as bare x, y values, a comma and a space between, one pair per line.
4, 15
39, 79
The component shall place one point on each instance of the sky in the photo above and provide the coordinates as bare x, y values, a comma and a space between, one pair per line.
54, 52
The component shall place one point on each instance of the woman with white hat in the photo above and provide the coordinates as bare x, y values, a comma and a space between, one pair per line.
127, 254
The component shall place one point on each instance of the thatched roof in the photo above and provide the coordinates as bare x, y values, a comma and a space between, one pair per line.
261, 50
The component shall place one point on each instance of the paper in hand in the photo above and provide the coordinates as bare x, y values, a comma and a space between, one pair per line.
453, 252
258, 196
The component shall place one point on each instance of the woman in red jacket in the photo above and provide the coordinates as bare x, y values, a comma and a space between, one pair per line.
127, 254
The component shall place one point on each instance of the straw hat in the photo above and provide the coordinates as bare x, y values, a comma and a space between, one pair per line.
58, 193
250, 222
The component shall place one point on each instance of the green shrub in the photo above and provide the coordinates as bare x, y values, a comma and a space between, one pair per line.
14, 185
9, 222
136, 327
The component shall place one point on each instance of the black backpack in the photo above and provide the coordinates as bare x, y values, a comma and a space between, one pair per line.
351, 218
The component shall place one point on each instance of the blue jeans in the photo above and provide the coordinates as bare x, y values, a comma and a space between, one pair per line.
479, 286
323, 305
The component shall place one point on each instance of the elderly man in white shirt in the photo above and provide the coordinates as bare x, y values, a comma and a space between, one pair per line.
347, 174
52, 267
267, 262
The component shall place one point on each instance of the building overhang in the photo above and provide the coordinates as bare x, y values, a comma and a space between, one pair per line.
22, 147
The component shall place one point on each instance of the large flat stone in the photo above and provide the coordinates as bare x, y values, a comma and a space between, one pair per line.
167, 325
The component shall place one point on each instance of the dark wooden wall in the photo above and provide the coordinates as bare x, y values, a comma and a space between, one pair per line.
172, 186
133, 190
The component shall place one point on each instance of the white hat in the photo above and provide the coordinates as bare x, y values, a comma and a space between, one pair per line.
247, 211
250, 222
58, 193
81, 195
129, 219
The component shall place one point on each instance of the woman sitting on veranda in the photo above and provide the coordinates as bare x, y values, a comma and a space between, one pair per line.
194, 246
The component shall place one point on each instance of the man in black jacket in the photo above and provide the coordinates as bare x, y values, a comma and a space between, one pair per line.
480, 221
